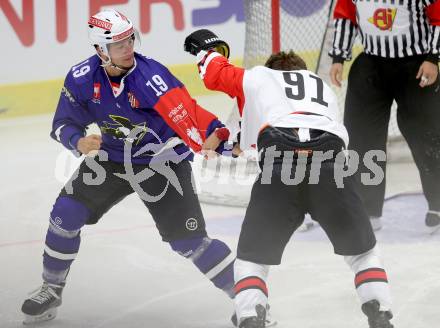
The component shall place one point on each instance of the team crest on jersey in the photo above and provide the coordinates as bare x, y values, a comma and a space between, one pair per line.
121, 127
194, 135
133, 101
383, 18
115, 87
96, 93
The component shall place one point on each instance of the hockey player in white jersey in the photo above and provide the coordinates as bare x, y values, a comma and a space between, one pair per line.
290, 114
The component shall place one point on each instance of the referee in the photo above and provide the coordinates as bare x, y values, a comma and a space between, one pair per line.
401, 41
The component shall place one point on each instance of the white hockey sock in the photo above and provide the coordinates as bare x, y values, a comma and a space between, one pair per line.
371, 279
250, 287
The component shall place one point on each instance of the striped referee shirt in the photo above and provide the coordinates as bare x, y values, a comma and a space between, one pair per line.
388, 28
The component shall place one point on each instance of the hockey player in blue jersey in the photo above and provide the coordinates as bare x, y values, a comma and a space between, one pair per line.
148, 124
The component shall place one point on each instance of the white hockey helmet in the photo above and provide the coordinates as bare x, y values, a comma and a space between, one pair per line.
110, 26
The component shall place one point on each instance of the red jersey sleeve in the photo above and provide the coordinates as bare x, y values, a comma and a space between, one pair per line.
345, 9
182, 113
433, 13
219, 74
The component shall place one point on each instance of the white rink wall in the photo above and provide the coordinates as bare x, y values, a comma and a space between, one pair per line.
44, 37
51, 35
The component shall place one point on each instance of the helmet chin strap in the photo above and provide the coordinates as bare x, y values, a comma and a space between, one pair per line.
121, 69
109, 63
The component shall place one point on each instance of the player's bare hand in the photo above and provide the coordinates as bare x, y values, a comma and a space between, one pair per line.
210, 145
427, 74
89, 145
236, 151
336, 73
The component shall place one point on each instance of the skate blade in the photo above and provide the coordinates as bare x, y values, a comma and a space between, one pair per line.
271, 323
46, 316
433, 230
376, 224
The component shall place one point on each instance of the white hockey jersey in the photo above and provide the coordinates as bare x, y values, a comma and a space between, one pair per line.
296, 99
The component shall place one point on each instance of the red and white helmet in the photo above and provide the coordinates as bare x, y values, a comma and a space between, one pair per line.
109, 26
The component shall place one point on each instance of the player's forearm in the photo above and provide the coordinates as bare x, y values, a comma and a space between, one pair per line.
182, 113
222, 133
220, 75
345, 30
343, 40
206, 122
434, 55
68, 135
433, 15
215, 124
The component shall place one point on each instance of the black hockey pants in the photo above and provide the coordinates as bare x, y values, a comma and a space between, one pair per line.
373, 84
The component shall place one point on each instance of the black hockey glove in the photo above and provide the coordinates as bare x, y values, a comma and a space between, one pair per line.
205, 40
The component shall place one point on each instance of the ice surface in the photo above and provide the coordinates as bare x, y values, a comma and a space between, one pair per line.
125, 276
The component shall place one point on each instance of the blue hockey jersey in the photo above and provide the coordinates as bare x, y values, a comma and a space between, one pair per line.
148, 100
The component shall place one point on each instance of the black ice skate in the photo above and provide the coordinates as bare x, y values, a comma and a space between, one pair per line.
432, 221
42, 304
377, 318
269, 321
255, 322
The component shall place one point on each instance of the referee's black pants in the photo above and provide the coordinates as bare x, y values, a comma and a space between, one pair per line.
373, 84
